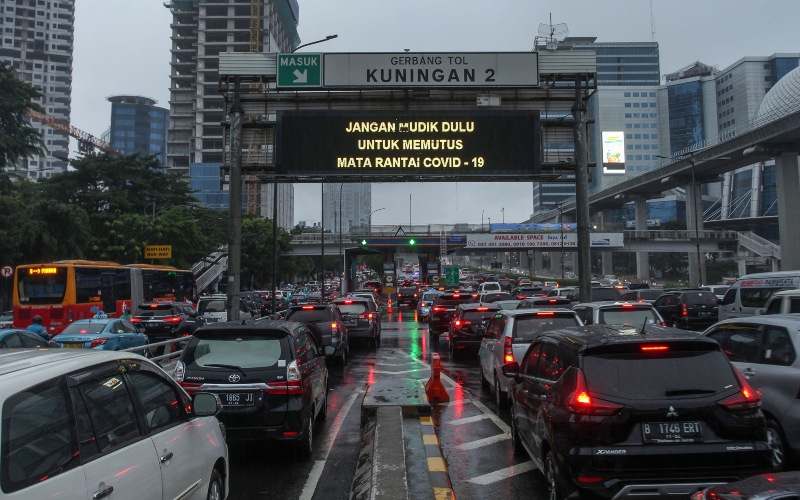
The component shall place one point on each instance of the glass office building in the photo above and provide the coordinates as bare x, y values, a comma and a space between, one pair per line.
138, 126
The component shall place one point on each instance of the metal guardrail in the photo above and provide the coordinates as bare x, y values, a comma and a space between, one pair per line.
164, 357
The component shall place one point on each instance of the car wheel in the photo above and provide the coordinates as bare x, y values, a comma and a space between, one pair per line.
551, 477
777, 445
215, 488
343, 360
516, 442
500, 397
305, 446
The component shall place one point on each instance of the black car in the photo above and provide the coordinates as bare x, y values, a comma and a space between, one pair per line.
596, 294
523, 292
545, 303
361, 318
270, 376
468, 324
613, 411
444, 308
688, 309
162, 321
408, 295
491, 297
326, 324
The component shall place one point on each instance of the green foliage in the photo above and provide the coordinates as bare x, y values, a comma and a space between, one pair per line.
18, 139
256, 265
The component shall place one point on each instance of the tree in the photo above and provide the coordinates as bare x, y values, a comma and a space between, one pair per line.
18, 139
256, 263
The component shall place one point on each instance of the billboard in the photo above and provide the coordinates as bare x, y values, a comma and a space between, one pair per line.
613, 152
552, 241
429, 145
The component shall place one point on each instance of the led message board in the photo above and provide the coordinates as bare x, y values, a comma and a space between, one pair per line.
417, 145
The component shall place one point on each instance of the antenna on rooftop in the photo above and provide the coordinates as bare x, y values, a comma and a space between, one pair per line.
652, 23
552, 33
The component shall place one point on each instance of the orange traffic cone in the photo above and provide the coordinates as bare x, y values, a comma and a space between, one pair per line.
389, 306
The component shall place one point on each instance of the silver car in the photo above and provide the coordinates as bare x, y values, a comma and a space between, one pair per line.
508, 335
765, 350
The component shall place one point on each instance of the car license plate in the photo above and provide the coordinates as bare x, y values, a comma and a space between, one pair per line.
706, 313
671, 432
73, 345
237, 398
151, 324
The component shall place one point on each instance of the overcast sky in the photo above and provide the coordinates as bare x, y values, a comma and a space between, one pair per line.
122, 47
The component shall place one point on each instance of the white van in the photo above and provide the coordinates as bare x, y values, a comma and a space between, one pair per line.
751, 292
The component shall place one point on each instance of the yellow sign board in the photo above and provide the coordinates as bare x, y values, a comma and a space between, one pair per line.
158, 251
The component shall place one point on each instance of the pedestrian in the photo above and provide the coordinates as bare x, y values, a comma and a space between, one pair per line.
37, 328
126, 315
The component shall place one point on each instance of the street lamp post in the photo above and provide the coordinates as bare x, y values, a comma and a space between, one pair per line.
561, 227
369, 220
329, 37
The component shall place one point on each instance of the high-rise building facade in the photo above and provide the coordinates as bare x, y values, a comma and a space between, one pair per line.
201, 30
36, 39
138, 126
346, 205
625, 101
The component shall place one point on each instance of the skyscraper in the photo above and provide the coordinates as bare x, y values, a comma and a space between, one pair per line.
346, 205
200, 31
138, 126
37, 41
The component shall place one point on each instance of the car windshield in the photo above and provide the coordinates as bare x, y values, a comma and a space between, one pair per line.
699, 298
649, 294
154, 311
626, 316
528, 327
83, 329
636, 374
309, 315
245, 351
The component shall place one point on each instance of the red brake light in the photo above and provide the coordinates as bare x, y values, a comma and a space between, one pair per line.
522, 297
290, 387
366, 316
422, 304
438, 308
553, 301
582, 402
684, 312
483, 309
508, 351
334, 326
135, 320
655, 348
747, 399
348, 301
308, 307
624, 306
190, 387
545, 313
455, 296
172, 319
98, 341
153, 306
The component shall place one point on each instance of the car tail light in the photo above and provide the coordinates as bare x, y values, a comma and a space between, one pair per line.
135, 320
98, 342
459, 323
422, 304
415, 295
747, 399
439, 309
153, 306
483, 309
348, 301
627, 306
172, 319
508, 351
580, 401
190, 387
684, 310
455, 296
522, 297
651, 348
180, 371
366, 316
308, 307
545, 313
293, 384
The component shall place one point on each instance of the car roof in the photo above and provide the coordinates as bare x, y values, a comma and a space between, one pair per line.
342, 300
596, 335
601, 304
14, 360
522, 312
94, 320
783, 293
476, 305
275, 325
765, 319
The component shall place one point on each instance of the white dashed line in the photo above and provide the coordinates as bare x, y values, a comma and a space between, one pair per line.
468, 420
502, 474
492, 415
483, 442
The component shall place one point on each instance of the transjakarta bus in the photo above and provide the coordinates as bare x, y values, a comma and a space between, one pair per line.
64, 291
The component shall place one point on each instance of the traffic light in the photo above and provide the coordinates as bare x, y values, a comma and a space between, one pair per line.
363, 243
411, 242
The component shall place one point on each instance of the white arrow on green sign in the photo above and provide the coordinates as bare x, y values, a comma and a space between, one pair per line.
299, 70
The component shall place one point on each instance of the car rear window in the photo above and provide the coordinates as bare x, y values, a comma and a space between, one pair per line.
682, 370
528, 327
452, 300
245, 350
699, 298
352, 308
309, 315
649, 294
475, 316
626, 316
604, 294
161, 310
211, 306
84, 328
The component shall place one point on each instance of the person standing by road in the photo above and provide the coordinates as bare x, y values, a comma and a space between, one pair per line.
37, 328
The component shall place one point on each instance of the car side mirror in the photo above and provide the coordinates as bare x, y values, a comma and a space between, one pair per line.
511, 370
206, 404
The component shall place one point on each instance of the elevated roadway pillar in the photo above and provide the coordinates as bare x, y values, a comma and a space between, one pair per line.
694, 222
788, 181
642, 258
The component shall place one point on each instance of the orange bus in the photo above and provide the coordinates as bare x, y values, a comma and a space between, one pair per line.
64, 291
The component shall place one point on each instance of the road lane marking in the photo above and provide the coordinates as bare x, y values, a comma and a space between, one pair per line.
430, 439
436, 464
319, 465
468, 420
452, 383
502, 474
492, 415
397, 373
483, 442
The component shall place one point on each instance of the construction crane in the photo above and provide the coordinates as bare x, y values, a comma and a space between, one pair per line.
251, 182
86, 141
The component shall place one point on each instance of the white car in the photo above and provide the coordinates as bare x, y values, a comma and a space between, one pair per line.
214, 309
81, 423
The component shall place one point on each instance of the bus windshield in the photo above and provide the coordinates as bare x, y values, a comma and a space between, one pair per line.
41, 285
168, 285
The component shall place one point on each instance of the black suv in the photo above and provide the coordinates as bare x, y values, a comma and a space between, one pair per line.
408, 295
620, 411
596, 294
326, 324
166, 320
361, 318
688, 309
270, 376
468, 324
444, 308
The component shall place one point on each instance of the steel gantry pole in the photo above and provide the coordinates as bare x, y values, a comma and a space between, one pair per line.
582, 194
235, 206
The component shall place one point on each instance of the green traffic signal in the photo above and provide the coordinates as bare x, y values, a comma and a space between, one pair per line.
363, 242
411, 241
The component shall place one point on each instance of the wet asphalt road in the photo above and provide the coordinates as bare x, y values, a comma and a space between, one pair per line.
473, 436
